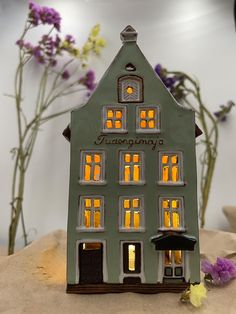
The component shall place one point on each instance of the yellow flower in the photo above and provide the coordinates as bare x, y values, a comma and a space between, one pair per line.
197, 293
101, 42
95, 30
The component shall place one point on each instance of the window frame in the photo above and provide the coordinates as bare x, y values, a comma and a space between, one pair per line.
180, 163
122, 211
157, 119
180, 210
124, 119
122, 165
83, 153
80, 219
121, 79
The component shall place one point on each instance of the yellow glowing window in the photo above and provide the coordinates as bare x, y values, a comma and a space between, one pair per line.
127, 219
87, 217
88, 159
143, 114
168, 258
127, 174
178, 257
91, 212
172, 211
173, 258
148, 118
175, 203
118, 124
93, 164
127, 158
114, 119
110, 113
135, 158
166, 204
126, 203
135, 202
118, 114
109, 124
131, 257
97, 158
170, 168
97, 172
132, 213
165, 173
131, 167
96, 203
167, 222
129, 90
88, 202
164, 159
143, 124
136, 219
175, 220
151, 113
97, 219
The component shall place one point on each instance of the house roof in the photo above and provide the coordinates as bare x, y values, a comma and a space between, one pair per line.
130, 49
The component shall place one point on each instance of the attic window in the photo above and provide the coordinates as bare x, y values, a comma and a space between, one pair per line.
148, 119
130, 89
114, 119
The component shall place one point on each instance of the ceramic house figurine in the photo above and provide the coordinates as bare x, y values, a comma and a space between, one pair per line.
133, 218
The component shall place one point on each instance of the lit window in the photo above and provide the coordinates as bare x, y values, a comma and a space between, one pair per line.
132, 257
91, 213
131, 168
171, 168
171, 213
130, 89
114, 119
173, 264
92, 167
131, 217
147, 119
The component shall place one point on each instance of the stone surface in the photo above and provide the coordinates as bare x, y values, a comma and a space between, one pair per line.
34, 281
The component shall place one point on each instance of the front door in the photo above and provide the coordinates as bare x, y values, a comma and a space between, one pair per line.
90, 263
173, 265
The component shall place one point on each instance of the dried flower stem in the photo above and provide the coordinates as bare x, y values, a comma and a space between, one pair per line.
210, 134
51, 87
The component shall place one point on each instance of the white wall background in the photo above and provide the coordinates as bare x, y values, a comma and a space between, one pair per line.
195, 36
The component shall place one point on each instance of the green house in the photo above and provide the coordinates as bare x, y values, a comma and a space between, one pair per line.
133, 218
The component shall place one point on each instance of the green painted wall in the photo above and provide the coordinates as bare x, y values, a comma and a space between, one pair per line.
177, 132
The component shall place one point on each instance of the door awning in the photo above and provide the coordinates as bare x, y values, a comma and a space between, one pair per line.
170, 240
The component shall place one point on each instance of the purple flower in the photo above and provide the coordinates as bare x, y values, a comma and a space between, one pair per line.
70, 39
221, 114
221, 272
158, 69
38, 54
65, 75
89, 80
20, 43
44, 15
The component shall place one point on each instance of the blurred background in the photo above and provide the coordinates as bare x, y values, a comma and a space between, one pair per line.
194, 36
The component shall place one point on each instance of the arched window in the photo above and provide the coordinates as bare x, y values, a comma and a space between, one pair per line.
130, 89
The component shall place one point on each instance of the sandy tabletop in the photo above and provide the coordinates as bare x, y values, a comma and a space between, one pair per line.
33, 281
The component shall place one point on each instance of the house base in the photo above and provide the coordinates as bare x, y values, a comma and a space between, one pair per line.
119, 288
